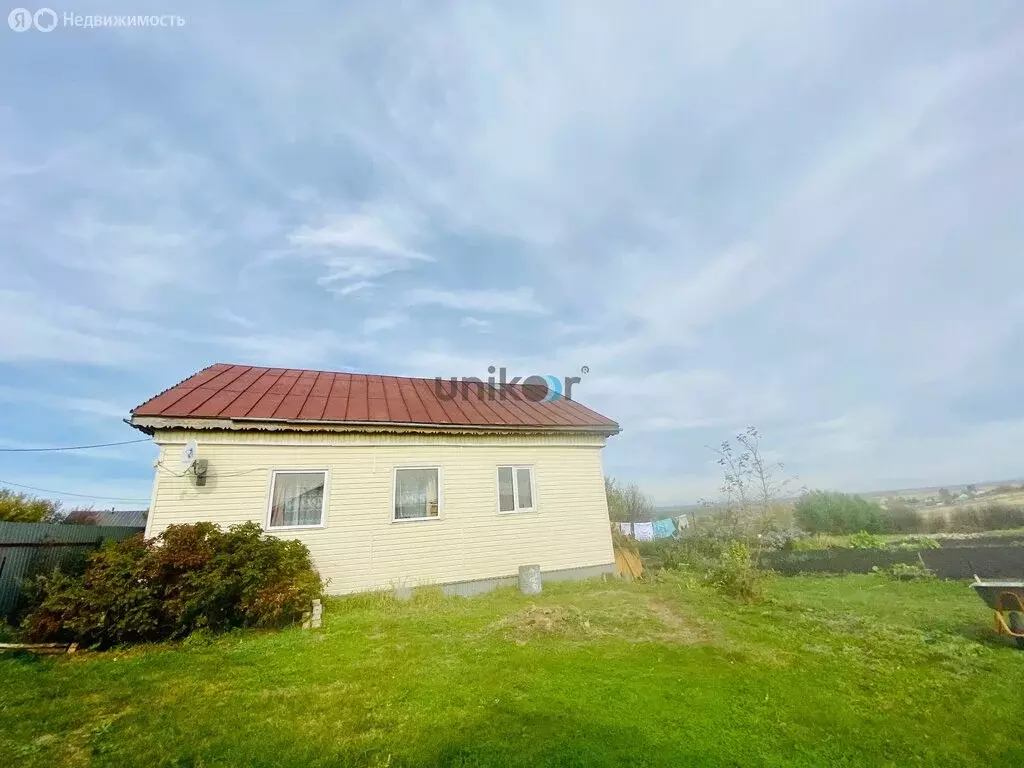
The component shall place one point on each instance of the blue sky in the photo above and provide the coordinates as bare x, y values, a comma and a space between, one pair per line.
810, 219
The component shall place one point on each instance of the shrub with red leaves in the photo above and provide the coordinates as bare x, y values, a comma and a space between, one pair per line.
189, 577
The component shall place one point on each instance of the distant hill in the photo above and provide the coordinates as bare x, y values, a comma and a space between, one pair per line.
933, 490
698, 510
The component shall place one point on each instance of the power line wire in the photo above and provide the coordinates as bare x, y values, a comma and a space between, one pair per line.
72, 447
67, 493
170, 471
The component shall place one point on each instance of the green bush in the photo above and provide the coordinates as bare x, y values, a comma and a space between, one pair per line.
726, 564
865, 540
903, 518
190, 577
834, 512
692, 550
736, 574
781, 538
905, 571
862, 540
837, 513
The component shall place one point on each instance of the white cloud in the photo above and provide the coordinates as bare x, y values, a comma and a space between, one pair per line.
383, 322
483, 326
518, 301
959, 454
36, 329
117, 229
350, 288
683, 399
89, 406
372, 229
296, 349
358, 247
233, 318
859, 432
134, 259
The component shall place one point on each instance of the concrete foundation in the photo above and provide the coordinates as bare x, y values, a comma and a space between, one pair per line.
479, 586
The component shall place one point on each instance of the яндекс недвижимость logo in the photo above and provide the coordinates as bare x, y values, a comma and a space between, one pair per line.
47, 20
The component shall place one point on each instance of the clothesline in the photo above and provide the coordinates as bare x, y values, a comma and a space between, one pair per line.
654, 529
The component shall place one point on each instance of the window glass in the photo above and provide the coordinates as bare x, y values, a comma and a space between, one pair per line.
298, 499
416, 493
515, 489
506, 496
524, 488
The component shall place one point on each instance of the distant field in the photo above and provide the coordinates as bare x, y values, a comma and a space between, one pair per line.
986, 493
995, 493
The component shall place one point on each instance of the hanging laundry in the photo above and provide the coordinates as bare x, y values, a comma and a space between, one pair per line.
664, 529
626, 529
682, 521
643, 531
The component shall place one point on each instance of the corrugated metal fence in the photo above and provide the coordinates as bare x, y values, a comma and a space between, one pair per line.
27, 548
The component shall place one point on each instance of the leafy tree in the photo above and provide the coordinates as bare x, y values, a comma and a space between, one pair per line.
902, 517
84, 516
834, 512
945, 496
22, 508
627, 503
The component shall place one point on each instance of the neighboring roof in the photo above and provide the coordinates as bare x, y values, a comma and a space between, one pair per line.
125, 518
245, 393
130, 518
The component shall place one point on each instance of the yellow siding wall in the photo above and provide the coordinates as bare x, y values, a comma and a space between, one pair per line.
359, 546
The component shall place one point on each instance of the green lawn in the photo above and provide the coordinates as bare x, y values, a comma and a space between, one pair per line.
854, 670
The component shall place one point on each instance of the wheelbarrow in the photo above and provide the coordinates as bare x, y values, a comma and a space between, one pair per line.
1006, 599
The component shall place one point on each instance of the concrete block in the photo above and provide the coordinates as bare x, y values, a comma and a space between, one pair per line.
529, 579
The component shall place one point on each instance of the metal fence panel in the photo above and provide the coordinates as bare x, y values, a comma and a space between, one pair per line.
27, 548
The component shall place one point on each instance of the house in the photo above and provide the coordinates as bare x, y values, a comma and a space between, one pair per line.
389, 481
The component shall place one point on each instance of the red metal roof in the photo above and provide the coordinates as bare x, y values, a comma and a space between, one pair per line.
225, 391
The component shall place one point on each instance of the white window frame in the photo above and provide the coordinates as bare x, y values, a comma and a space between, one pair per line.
323, 502
394, 493
517, 510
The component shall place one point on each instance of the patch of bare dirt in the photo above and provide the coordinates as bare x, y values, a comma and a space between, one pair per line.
677, 628
546, 620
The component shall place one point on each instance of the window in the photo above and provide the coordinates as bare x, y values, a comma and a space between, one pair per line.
417, 493
515, 489
297, 499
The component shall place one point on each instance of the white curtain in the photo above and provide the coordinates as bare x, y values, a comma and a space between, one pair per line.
298, 499
416, 493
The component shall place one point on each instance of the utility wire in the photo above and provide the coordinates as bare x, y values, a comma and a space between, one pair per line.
170, 471
66, 493
71, 447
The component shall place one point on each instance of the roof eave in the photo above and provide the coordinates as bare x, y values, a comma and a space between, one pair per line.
149, 424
